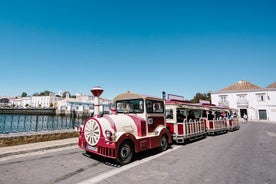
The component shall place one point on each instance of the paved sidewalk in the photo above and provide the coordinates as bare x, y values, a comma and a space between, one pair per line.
27, 148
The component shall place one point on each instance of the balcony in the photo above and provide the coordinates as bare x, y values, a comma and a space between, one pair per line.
242, 103
223, 103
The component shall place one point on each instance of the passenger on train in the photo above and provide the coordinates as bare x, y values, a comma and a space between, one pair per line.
210, 115
217, 115
204, 114
223, 114
191, 115
180, 117
229, 115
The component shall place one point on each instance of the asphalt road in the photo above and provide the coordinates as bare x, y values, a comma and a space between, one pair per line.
244, 156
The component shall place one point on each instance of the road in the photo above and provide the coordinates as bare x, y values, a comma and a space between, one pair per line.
245, 156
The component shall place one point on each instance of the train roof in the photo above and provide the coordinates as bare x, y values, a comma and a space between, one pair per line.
129, 95
204, 106
183, 103
177, 102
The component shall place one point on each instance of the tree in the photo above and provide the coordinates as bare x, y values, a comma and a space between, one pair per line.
44, 93
36, 94
201, 96
24, 94
65, 93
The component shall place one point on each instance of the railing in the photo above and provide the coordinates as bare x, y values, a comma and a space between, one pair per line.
11, 123
193, 127
242, 103
223, 103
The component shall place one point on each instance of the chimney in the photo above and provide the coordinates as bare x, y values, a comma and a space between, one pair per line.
97, 91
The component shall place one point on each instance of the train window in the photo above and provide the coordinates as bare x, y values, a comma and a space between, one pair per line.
130, 106
197, 113
180, 115
169, 113
155, 106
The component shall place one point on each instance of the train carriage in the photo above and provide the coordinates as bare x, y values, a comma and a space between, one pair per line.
232, 120
184, 120
137, 124
216, 121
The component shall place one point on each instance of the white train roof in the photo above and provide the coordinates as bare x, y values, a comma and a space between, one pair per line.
130, 95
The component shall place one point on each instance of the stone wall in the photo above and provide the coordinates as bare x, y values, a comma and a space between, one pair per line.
17, 139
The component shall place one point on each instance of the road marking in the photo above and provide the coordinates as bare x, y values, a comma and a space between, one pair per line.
272, 134
126, 167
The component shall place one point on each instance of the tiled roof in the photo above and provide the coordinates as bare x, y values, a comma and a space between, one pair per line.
273, 85
240, 86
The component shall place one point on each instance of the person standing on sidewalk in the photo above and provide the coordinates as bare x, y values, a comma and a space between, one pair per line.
245, 117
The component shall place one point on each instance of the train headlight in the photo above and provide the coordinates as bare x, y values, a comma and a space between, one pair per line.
109, 134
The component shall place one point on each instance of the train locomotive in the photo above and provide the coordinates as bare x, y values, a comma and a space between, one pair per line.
137, 124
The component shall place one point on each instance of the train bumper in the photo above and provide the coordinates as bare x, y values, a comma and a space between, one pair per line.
103, 148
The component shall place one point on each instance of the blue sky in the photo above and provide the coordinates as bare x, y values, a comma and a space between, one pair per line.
181, 47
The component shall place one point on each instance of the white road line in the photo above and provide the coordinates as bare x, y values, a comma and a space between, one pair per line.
126, 167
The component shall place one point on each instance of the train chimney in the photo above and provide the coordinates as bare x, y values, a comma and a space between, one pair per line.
97, 91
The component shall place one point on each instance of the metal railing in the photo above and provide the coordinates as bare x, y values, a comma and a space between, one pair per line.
11, 123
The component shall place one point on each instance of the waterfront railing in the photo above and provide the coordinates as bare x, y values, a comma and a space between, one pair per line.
12, 123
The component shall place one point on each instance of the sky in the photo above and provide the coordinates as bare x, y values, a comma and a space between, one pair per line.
182, 47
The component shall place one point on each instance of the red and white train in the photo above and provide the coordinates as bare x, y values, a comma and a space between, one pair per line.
142, 122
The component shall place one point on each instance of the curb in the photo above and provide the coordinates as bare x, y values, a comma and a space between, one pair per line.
12, 153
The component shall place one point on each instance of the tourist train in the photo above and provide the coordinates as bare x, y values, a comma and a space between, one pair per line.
141, 122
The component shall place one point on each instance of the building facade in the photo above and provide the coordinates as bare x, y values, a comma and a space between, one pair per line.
256, 102
43, 101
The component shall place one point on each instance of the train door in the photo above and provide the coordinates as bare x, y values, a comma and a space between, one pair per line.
155, 114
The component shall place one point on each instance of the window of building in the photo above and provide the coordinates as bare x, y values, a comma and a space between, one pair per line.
242, 97
223, 98
260, 97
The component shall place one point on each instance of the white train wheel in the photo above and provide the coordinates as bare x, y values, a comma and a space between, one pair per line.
92, 132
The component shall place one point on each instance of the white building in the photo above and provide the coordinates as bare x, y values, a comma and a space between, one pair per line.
21, 101
44, 101
257, 102
80, 104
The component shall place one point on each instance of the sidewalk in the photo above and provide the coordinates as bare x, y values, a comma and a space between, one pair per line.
27, 148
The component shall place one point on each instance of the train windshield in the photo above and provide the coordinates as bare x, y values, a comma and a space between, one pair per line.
130, 106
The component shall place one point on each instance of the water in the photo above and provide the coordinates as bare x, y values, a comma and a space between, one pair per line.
12, 123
